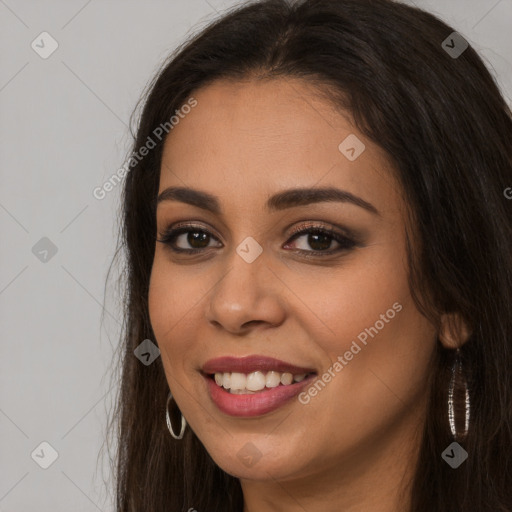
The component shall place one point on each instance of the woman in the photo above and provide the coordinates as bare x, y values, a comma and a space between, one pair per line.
319, 243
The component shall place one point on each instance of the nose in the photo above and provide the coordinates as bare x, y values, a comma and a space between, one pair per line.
247, 294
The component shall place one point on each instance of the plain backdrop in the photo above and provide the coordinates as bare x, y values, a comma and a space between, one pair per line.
63, 132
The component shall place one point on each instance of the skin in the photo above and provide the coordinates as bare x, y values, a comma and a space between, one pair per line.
354, 445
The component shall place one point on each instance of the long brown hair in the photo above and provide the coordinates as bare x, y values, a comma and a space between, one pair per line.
442, 120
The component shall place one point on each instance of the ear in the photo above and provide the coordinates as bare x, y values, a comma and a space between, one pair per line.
454, 331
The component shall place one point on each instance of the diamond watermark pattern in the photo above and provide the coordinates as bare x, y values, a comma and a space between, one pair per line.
249, 455
147, 352
249, 249
352, 147
44, 250
454, 455
455, 45
44, 45
44, 455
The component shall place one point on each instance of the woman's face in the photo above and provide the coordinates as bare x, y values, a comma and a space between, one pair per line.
336, 308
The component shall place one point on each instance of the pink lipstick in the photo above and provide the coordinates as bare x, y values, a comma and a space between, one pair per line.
253, 385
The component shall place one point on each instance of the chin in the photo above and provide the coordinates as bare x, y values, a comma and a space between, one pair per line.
252, 461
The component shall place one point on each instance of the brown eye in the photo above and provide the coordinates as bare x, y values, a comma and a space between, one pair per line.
200, 238
320, 240
196, 238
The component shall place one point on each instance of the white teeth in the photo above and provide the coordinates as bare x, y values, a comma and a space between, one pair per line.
226, 380
240, 383
286, 379
273, 379
255, 381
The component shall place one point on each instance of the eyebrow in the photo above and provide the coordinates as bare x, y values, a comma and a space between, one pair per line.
280, 201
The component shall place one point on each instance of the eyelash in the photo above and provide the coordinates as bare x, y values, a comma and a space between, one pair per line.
169, 237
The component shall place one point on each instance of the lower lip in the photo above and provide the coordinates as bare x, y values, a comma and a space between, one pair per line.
254, 404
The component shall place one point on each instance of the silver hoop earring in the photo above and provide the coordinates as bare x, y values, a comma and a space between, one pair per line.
168, 420
458, 375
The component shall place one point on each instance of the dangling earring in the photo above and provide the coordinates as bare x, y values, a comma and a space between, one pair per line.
456, 379
168, 420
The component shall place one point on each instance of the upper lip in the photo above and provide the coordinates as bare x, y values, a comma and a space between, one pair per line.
251, 364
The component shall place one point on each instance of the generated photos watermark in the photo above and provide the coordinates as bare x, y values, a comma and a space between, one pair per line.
343, 360
163, 128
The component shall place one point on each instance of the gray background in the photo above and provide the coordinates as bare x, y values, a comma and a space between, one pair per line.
63, 132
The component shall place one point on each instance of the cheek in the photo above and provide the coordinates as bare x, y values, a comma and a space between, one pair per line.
171, 303
368, 318
383, 366
353, 297
161, 302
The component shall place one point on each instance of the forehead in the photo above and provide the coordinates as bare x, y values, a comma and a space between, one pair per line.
246, 140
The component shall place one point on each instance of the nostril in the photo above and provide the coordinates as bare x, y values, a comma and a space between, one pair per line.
247, 324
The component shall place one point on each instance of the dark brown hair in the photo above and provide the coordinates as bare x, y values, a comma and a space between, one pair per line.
448, 131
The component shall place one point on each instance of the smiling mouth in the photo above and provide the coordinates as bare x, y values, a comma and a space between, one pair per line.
255, 382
